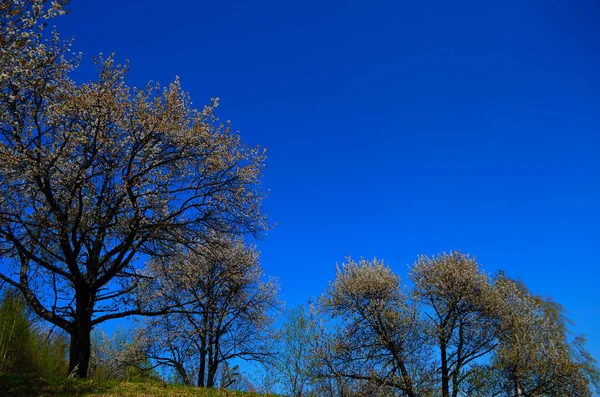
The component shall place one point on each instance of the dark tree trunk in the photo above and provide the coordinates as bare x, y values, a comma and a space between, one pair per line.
79, 354
202, 369
212, 372
210, 365
445, 375
183, 373
212, 352
518, 392
213, 366
80, 350
214, 362
203, 351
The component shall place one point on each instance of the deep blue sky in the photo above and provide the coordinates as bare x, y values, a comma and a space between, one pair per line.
396, 128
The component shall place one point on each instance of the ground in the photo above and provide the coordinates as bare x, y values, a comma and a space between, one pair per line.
18, 386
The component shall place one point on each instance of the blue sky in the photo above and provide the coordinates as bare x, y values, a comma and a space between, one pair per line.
396, 128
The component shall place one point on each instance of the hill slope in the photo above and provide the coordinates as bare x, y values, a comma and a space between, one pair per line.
61, 387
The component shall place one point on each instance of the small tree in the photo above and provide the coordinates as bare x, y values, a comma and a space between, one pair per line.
457, 296
118, 357
296, 344
223, 310
535, 356
96, 176
379, 338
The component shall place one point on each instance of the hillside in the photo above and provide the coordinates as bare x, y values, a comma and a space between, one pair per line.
56, 387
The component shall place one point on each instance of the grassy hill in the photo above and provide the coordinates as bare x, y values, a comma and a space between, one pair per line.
17, 386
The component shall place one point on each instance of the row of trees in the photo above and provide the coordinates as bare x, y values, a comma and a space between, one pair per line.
457, 332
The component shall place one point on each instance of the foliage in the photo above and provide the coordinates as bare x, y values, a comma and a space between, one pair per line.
51, 349
535, 355
295, 359
16, 347
25, 348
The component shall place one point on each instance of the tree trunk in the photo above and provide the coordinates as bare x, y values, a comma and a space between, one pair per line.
213, 366
80, 350
212, 372
518, 392
183, 373
203, 351
212, 354
445, 377
202, 369
210, 365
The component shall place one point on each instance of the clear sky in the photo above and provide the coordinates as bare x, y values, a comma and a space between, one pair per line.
396, 128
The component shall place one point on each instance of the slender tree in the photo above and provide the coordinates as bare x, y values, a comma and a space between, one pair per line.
296, 345
95, 177
224, 305
457, 297
378, 337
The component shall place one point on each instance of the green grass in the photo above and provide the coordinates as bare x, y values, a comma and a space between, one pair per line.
11, 385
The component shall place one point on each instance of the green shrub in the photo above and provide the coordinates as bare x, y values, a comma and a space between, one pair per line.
16, 348
25, 349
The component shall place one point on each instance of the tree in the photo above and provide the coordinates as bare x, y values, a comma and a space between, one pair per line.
535, 356
457, 298
225, 310
379, 338
232, 378
295, 359
118, 357
96, 177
